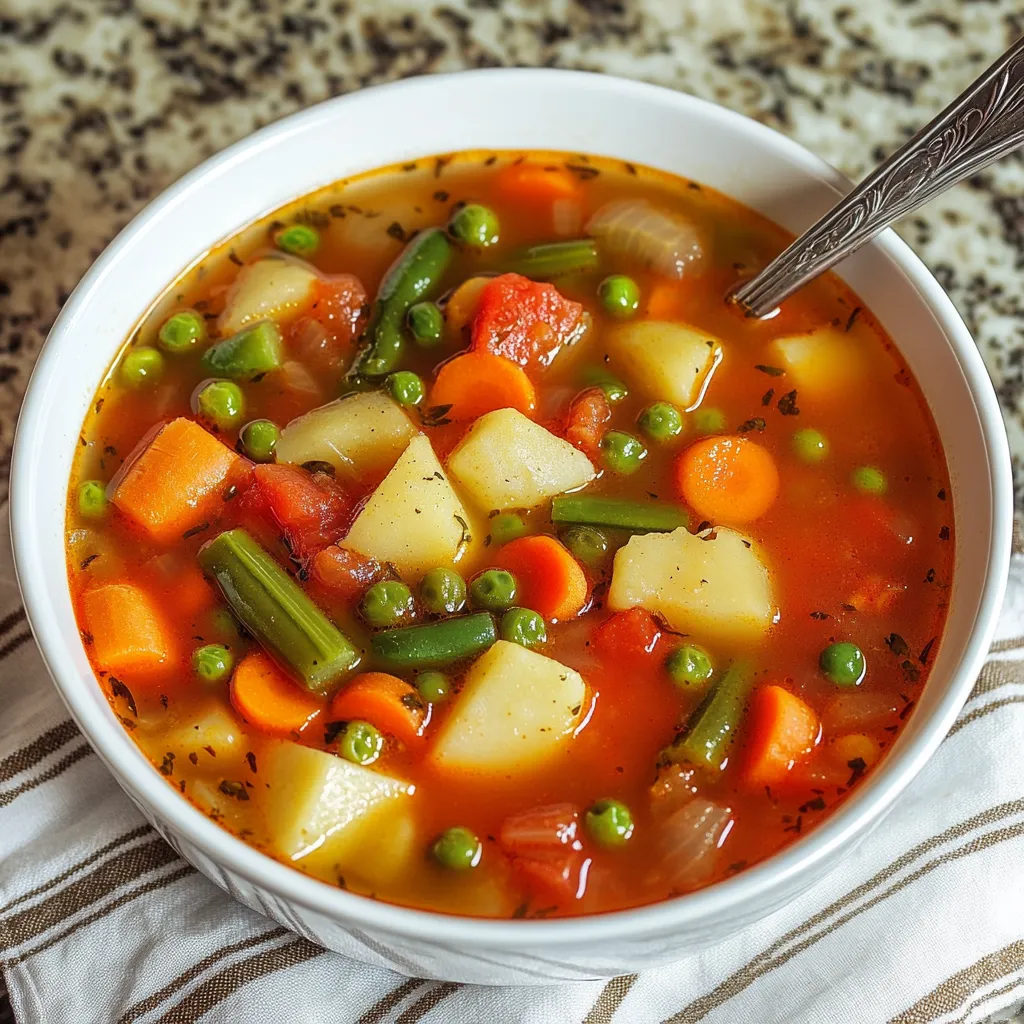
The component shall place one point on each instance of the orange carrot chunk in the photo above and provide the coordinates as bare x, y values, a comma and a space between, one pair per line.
178, 481
129, 634
268, 699
727, 480
548, 579
475, 383
537, 184
783, 731
391, 704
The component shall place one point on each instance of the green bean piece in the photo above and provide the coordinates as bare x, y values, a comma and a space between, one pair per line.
405, 387
523, 626
474, 225
553, 259
415, 273
434, 686
212, 663
426, 324
299, 240
586, 544
141, 367
609, 823
708, 421
277, 612
225, 624
689, 666
92, 499
620, 296
810, 446
435, 644
457, 849
443, 592
387, 604
598, 377
617, 513
493, 590
661, 421
182, 332
360, 743
623, 453
221, 403
869, 480
250, 353
709, 733
506, 526
843, 663
259, 439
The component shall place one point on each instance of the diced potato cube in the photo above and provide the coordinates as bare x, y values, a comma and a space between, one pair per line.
517, 708
508, 461
413, 519
822, 363
273, 288
320, 808
665, 361
361, 435
718, 588
215, 735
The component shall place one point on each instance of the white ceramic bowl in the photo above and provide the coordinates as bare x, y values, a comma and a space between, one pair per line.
505, 109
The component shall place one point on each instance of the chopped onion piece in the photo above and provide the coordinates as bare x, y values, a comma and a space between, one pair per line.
635, 229
688, 841
567, 216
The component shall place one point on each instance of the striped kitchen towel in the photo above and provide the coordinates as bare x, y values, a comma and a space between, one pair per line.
101, 922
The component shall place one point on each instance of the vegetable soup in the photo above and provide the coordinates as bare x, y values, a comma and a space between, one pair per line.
451, 537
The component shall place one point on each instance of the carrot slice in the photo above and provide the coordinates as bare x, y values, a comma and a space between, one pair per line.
783, 731
548, 579
477, 382
537, 184
345, 573
727, 480
268, 699
391, 704
129, 635
178, 481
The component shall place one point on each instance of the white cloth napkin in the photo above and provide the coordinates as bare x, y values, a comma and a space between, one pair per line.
101, 922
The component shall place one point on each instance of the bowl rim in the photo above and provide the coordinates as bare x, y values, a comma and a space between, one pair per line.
854, 817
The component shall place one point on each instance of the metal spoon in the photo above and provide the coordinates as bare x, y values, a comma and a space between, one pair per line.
984, 123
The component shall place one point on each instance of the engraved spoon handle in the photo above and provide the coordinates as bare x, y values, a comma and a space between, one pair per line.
984, 123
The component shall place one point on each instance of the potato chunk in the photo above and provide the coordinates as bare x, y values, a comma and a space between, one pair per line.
273, 288
517, 708
413, 519
665, 361
822, 363
508, 461
361, 435
715, 588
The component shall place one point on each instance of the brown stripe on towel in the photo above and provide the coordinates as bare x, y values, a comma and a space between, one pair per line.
42, 746
9, 620
426, 1003
380, 1009
610, 1000
14, 643
76, 755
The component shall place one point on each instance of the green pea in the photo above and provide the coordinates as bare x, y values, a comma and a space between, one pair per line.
869, 480
494, 590
141, 366
457, 849
433, 686
299, 239
623, 453
182, 331
360, 742
506, 526
524, 627
843, 664
221, 403
708, 421
405, 387
587, 544
689, 666
92, 499
212, 663
443, 592
426, 324
661, 421
810, 446
619, 295
598, 377
474, 225
259, 439
609, 823
387, 604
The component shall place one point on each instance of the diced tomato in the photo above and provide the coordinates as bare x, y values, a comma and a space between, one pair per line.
628, 637
523, 320
558, 878
322, 339
588, 417
345, 573
544, 829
